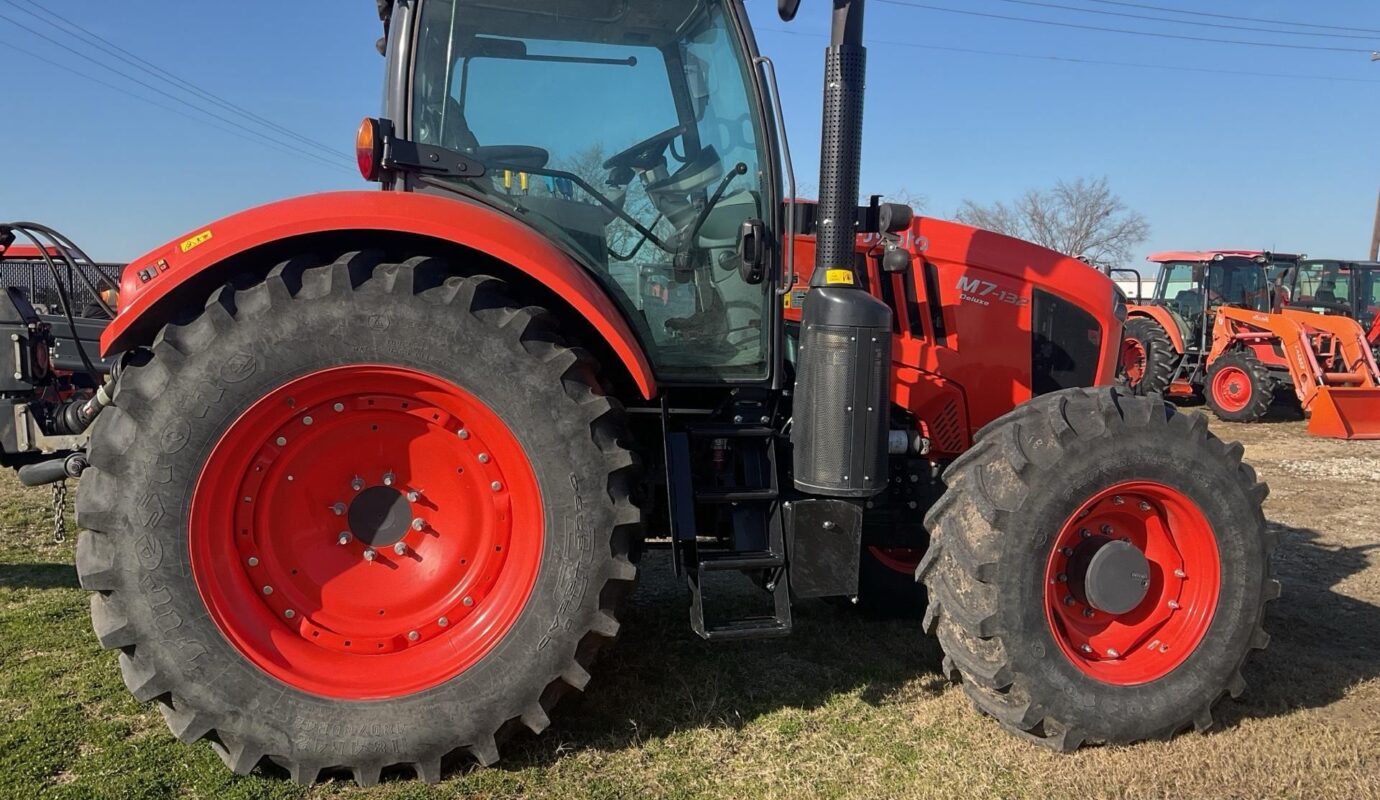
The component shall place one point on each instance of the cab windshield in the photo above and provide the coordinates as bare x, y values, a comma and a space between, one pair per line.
1185, 286
626, 132
1325, 285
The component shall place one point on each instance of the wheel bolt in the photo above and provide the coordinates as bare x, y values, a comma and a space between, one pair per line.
289, 613
369, 554
413, 495
1085, 533
443, 622
268, 590
1178, 573
1116, 501
413, 636
1087, 648
400, 548
282, 440
357, 484
463, 434
1088, 612
307, 420
338, 509
253, 562
1112, 653
469, 601
1068, 601
496, 486
1144, 506
1062, 578
344, 538
1067, 551
339, 407
418, 524
1107, 530
483, 458
1173, 604
388, 478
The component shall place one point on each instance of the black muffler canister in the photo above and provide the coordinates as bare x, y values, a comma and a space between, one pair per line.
841, 405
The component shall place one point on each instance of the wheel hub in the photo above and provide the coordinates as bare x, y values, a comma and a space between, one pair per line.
1132, 583
366, 532
380, 516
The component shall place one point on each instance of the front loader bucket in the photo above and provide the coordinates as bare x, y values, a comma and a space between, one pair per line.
1345, 413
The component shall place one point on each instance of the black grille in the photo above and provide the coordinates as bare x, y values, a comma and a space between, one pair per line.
1066, 347
35, 279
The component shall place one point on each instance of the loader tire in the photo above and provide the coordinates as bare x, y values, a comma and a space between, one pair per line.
1067, 525
358, 517
1147, 356
1239, 388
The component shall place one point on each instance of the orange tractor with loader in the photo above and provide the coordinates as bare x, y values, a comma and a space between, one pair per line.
1210, 330
374, 470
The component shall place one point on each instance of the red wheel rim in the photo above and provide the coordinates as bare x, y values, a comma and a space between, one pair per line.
361, 460
1133, 360
1183, 584
904, 560
1232, 388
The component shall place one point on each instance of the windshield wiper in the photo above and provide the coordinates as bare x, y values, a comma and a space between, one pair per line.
592, 192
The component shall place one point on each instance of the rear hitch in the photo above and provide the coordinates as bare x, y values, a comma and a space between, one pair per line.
54, 470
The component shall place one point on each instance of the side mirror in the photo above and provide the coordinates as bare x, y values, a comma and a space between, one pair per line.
752, 251
787, 9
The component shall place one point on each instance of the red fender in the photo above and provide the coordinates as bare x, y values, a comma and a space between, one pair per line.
152, 278
1164, 318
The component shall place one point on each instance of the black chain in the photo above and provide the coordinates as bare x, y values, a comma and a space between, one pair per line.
60, 512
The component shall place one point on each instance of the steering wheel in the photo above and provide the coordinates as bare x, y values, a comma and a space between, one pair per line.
646, 153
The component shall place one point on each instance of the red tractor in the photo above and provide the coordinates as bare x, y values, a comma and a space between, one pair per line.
379, 465
1333, 286
1211, 329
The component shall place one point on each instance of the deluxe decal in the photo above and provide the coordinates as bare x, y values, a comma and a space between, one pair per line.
984, 293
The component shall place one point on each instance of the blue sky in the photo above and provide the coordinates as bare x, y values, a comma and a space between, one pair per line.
1213, 160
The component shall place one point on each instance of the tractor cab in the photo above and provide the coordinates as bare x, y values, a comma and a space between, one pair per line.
1335, 287
633, 137
1193, 286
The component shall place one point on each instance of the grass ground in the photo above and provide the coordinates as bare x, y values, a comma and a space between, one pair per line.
846, 707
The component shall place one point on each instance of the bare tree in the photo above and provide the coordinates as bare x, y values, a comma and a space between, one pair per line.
1082, 217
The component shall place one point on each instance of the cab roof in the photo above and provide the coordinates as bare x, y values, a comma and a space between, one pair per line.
1201, 255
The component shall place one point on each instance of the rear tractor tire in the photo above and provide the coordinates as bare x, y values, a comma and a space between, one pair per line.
1147, 356
1239, 388
357, 517
1099, 569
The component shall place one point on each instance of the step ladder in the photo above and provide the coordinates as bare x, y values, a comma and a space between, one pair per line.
757, 523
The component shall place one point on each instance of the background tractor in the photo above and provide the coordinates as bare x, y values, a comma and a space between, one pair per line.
1210, 329
1333, 286
374, 471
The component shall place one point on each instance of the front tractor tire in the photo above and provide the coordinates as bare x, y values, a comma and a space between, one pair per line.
1239, 387
1099, 569
1148, 357
356, 517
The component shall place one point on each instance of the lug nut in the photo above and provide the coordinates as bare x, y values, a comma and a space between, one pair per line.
1112, 653
1178, 573
344, 538
1085, 533
1107, 530
469, 601
1173, 604
1116, 501
496, 486
418, 524
1088, 612
1086, 648
370, 554
462, 433
307, 420
388, 478
338, 509
443, 622
1067, 551
339, 407
289, 613
253, 562
281, 440
268, 590
413, 636
1062, 578
357, 484
413, 495
400, 548
1068, 600
1144, 506
483, 458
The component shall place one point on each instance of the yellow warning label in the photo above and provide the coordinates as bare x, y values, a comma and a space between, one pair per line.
835, 277
196, 241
